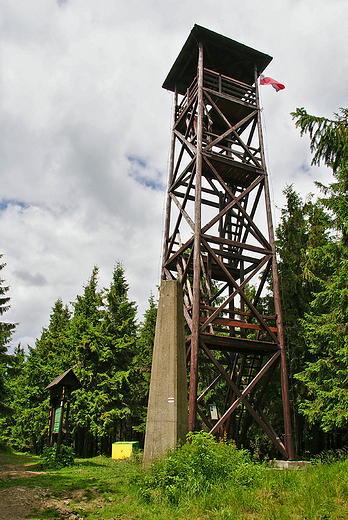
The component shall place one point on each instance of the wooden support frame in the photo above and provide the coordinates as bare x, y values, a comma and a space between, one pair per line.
219, 238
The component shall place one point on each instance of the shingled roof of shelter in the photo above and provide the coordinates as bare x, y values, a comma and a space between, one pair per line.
220, 54
68, 378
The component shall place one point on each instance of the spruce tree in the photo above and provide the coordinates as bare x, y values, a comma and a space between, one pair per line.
325, 324
303, 225
142, 366
328, 137
87, 338
6, 331
49, 358
121, 328
103, 336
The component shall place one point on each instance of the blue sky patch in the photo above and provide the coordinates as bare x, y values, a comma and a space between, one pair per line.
305, 168
144, 175
4, 203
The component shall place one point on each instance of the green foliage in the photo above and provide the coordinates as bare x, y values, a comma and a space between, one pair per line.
142, 361
6, 331
104, 488
331, 456
111, 357
196, 467
54, 460
329, 137
27, 426
323, 324
325, 328
103, 336
304, 226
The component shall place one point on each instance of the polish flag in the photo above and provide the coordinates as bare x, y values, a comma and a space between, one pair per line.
270, 81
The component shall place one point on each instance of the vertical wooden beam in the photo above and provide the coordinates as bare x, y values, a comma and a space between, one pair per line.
51, 423
197, 250
60, 431
67, 413
276, 293
170, 180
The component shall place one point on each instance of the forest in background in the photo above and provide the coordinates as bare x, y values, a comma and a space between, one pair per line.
111, 354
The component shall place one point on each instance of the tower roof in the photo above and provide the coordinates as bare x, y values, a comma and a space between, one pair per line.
220, 54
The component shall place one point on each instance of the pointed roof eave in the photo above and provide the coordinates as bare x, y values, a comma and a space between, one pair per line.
68, 378
221, 54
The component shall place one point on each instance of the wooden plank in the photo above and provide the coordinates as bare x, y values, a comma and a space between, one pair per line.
236, 311
245, 393
210, 387
190, 148
234, 243
231, 296
192, 198
233, 255
242, 345
228, 97
189, 169
237, 323
179, 251
232, 128
178, 222
250, 409
253, 228
184, 213
243, 296
236, 81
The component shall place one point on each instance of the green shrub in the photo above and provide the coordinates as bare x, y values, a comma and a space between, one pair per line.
5, 447
197, 466
53, 461
331, 456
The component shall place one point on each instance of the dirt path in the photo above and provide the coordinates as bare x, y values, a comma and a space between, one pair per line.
18, 501
23, 503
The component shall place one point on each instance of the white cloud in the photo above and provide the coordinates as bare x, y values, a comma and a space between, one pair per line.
85, 129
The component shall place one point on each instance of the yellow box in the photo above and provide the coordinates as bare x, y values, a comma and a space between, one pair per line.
122, 450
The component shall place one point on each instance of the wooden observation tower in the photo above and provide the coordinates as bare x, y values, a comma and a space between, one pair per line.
219, 239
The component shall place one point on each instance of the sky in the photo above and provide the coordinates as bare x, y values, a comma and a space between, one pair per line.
85, 130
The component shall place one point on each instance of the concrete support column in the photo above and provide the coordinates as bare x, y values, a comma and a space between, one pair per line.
167, 419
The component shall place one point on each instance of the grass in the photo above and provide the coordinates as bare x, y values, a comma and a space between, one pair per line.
101, 488
19, 458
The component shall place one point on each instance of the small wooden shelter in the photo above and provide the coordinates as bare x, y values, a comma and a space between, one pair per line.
60, 392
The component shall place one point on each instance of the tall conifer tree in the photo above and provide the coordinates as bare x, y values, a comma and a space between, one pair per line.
325, 325
6, 331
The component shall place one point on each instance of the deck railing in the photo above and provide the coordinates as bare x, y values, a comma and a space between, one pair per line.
213, 81
231, 87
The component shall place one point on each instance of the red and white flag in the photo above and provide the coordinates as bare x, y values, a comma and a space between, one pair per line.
270, 81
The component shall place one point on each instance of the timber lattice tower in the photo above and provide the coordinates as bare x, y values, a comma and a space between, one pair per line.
219, 239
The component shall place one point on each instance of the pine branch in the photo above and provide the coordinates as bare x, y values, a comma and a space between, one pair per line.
329, 137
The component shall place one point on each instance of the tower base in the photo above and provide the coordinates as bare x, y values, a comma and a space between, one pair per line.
167, 419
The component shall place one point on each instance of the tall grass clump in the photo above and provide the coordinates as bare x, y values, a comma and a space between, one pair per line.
197, 467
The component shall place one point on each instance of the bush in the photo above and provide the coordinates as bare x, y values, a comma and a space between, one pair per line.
196, 467
53, 461
331, 456
5, 447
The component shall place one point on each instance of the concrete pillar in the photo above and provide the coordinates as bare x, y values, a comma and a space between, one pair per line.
167, 418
